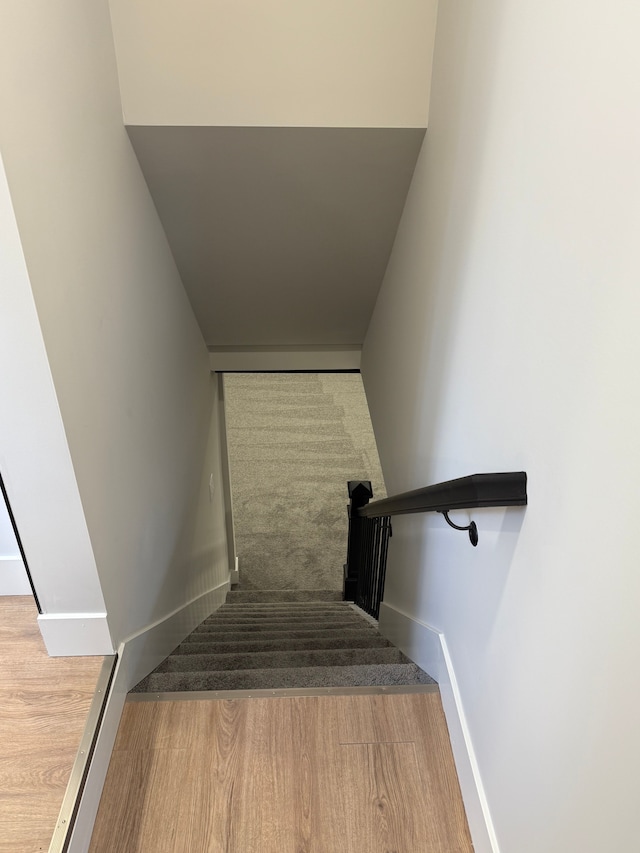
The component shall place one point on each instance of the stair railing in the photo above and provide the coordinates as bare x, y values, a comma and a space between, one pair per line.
370, 523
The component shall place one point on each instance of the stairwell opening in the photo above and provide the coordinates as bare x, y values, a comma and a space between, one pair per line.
294, 441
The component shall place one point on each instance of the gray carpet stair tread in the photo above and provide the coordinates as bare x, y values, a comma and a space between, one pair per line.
311, 448
217, 646
284, 625
296, 633
290, 615
290, 612
325, 473
274, 618
289, 433
312, 409
281, 659
287, 607
283, 612
262, 596
256, 679
341, 605
274, 623
283, 616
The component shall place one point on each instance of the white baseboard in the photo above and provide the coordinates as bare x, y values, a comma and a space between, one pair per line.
13, 577
73, 634
234, 574
147, 648
137, 657
428, 648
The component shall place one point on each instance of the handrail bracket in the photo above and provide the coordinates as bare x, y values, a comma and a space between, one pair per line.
472, 528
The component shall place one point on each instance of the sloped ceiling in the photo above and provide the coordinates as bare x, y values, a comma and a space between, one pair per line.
281, 235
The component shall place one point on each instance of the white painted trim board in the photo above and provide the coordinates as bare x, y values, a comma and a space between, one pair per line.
225, 465
428, 648
137, 657
75, 634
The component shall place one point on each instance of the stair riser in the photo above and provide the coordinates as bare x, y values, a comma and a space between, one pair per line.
219, 647
231, 635
279, 595
320, 607
251, 627
264, 619
349, 676
296, 612
279, 660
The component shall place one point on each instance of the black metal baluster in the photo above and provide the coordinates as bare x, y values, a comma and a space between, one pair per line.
384, 548
376, 566
359, 495
366, 566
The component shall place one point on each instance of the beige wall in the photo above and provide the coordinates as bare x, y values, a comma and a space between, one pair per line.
334, 63
128, 362
506, 337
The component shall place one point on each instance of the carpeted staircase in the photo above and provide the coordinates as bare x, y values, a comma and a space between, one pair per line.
277, 639
294, 442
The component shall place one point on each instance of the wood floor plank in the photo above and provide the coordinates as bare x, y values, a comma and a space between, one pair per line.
163, 725
438, 774
382, 784
44, 703
220, 786
416, 718
121, 791
288, 770
278, 775
382, 718
162, 776
151, 806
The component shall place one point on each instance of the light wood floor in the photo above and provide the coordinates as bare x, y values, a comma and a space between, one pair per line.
329, 774
44, 704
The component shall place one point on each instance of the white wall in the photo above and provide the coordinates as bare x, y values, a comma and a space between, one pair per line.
505, 337
8, 544
128, 361
334, 63
13, 576
34, 454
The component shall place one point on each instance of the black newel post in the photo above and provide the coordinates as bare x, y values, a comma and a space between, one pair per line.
360, 494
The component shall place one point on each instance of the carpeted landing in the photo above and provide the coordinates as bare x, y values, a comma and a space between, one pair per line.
294, 441
278, 642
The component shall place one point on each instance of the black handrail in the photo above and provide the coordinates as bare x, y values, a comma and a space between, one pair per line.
370, 525
476, 490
